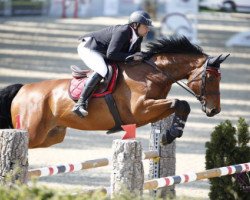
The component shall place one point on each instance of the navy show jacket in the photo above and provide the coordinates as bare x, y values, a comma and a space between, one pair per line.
113, 42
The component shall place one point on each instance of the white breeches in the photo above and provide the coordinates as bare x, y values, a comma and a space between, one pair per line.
92, 59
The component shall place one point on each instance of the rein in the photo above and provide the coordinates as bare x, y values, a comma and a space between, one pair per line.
182, 84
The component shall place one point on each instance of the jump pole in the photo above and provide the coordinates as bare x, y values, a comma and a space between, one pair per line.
189, 177
65, 168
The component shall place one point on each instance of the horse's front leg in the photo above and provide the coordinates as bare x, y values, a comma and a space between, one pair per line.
151, 110
182, 110
154, 110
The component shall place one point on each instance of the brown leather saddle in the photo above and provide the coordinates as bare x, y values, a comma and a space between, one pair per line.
106, 86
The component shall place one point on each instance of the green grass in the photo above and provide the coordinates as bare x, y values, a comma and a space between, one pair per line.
33, 4
34, 192
43, 193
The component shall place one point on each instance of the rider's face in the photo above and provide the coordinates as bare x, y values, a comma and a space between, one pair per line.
143, 30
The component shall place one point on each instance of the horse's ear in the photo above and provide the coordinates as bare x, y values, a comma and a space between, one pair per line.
216, 61
223, 58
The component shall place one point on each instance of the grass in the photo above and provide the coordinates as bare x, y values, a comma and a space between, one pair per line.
34, 192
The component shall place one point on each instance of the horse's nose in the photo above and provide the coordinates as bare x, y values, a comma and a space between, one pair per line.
214, 111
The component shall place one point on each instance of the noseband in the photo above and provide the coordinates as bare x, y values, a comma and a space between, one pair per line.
201, 96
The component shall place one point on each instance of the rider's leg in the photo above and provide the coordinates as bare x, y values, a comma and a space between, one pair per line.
93, 59
81, 106
182, 110
96, 62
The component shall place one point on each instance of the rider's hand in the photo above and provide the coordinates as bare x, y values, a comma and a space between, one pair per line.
138, 56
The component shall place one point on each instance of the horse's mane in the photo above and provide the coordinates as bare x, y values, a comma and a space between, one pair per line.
173, 44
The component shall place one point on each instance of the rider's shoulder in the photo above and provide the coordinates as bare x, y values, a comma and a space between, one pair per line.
123, 28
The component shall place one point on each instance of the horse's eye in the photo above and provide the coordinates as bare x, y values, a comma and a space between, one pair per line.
210, 78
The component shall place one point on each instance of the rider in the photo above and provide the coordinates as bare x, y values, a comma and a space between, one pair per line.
115, 43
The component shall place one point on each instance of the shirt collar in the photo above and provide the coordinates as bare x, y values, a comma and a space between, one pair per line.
134, 35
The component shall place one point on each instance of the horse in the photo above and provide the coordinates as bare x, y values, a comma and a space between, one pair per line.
44, 108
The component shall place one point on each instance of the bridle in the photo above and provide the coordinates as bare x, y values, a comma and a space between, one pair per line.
206, 69
201, 96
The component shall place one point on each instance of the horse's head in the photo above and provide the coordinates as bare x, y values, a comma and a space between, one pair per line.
205, 83
177, 58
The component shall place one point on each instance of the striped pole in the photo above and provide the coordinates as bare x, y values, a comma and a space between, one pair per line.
185, 178
65, 168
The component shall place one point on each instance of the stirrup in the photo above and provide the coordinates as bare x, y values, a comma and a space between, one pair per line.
80, 111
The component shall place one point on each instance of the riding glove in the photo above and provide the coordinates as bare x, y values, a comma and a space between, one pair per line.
138, 56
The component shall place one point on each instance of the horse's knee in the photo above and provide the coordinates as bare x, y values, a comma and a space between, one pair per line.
182, 107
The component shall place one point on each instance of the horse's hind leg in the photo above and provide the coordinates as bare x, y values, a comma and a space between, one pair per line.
55, 135
33, 123
182, 110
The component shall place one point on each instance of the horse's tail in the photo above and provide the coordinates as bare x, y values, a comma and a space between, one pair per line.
7, 94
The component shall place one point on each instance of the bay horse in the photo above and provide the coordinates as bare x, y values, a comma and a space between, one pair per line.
44, 108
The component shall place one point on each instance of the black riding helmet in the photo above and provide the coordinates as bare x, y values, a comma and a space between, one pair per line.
141, 17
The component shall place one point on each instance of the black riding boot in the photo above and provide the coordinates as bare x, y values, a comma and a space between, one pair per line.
81, 106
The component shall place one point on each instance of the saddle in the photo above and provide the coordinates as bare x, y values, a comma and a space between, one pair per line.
104, 89
80, 76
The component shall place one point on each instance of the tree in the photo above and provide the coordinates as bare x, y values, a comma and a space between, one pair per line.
228, 146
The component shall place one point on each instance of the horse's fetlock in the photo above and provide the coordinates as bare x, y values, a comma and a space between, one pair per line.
167, 138
177, 127
170, 136
176, 131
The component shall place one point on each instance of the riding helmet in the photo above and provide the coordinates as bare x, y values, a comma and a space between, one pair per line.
141, 17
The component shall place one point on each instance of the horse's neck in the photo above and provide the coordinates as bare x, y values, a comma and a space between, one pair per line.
136, 72
180, 67
142, 80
